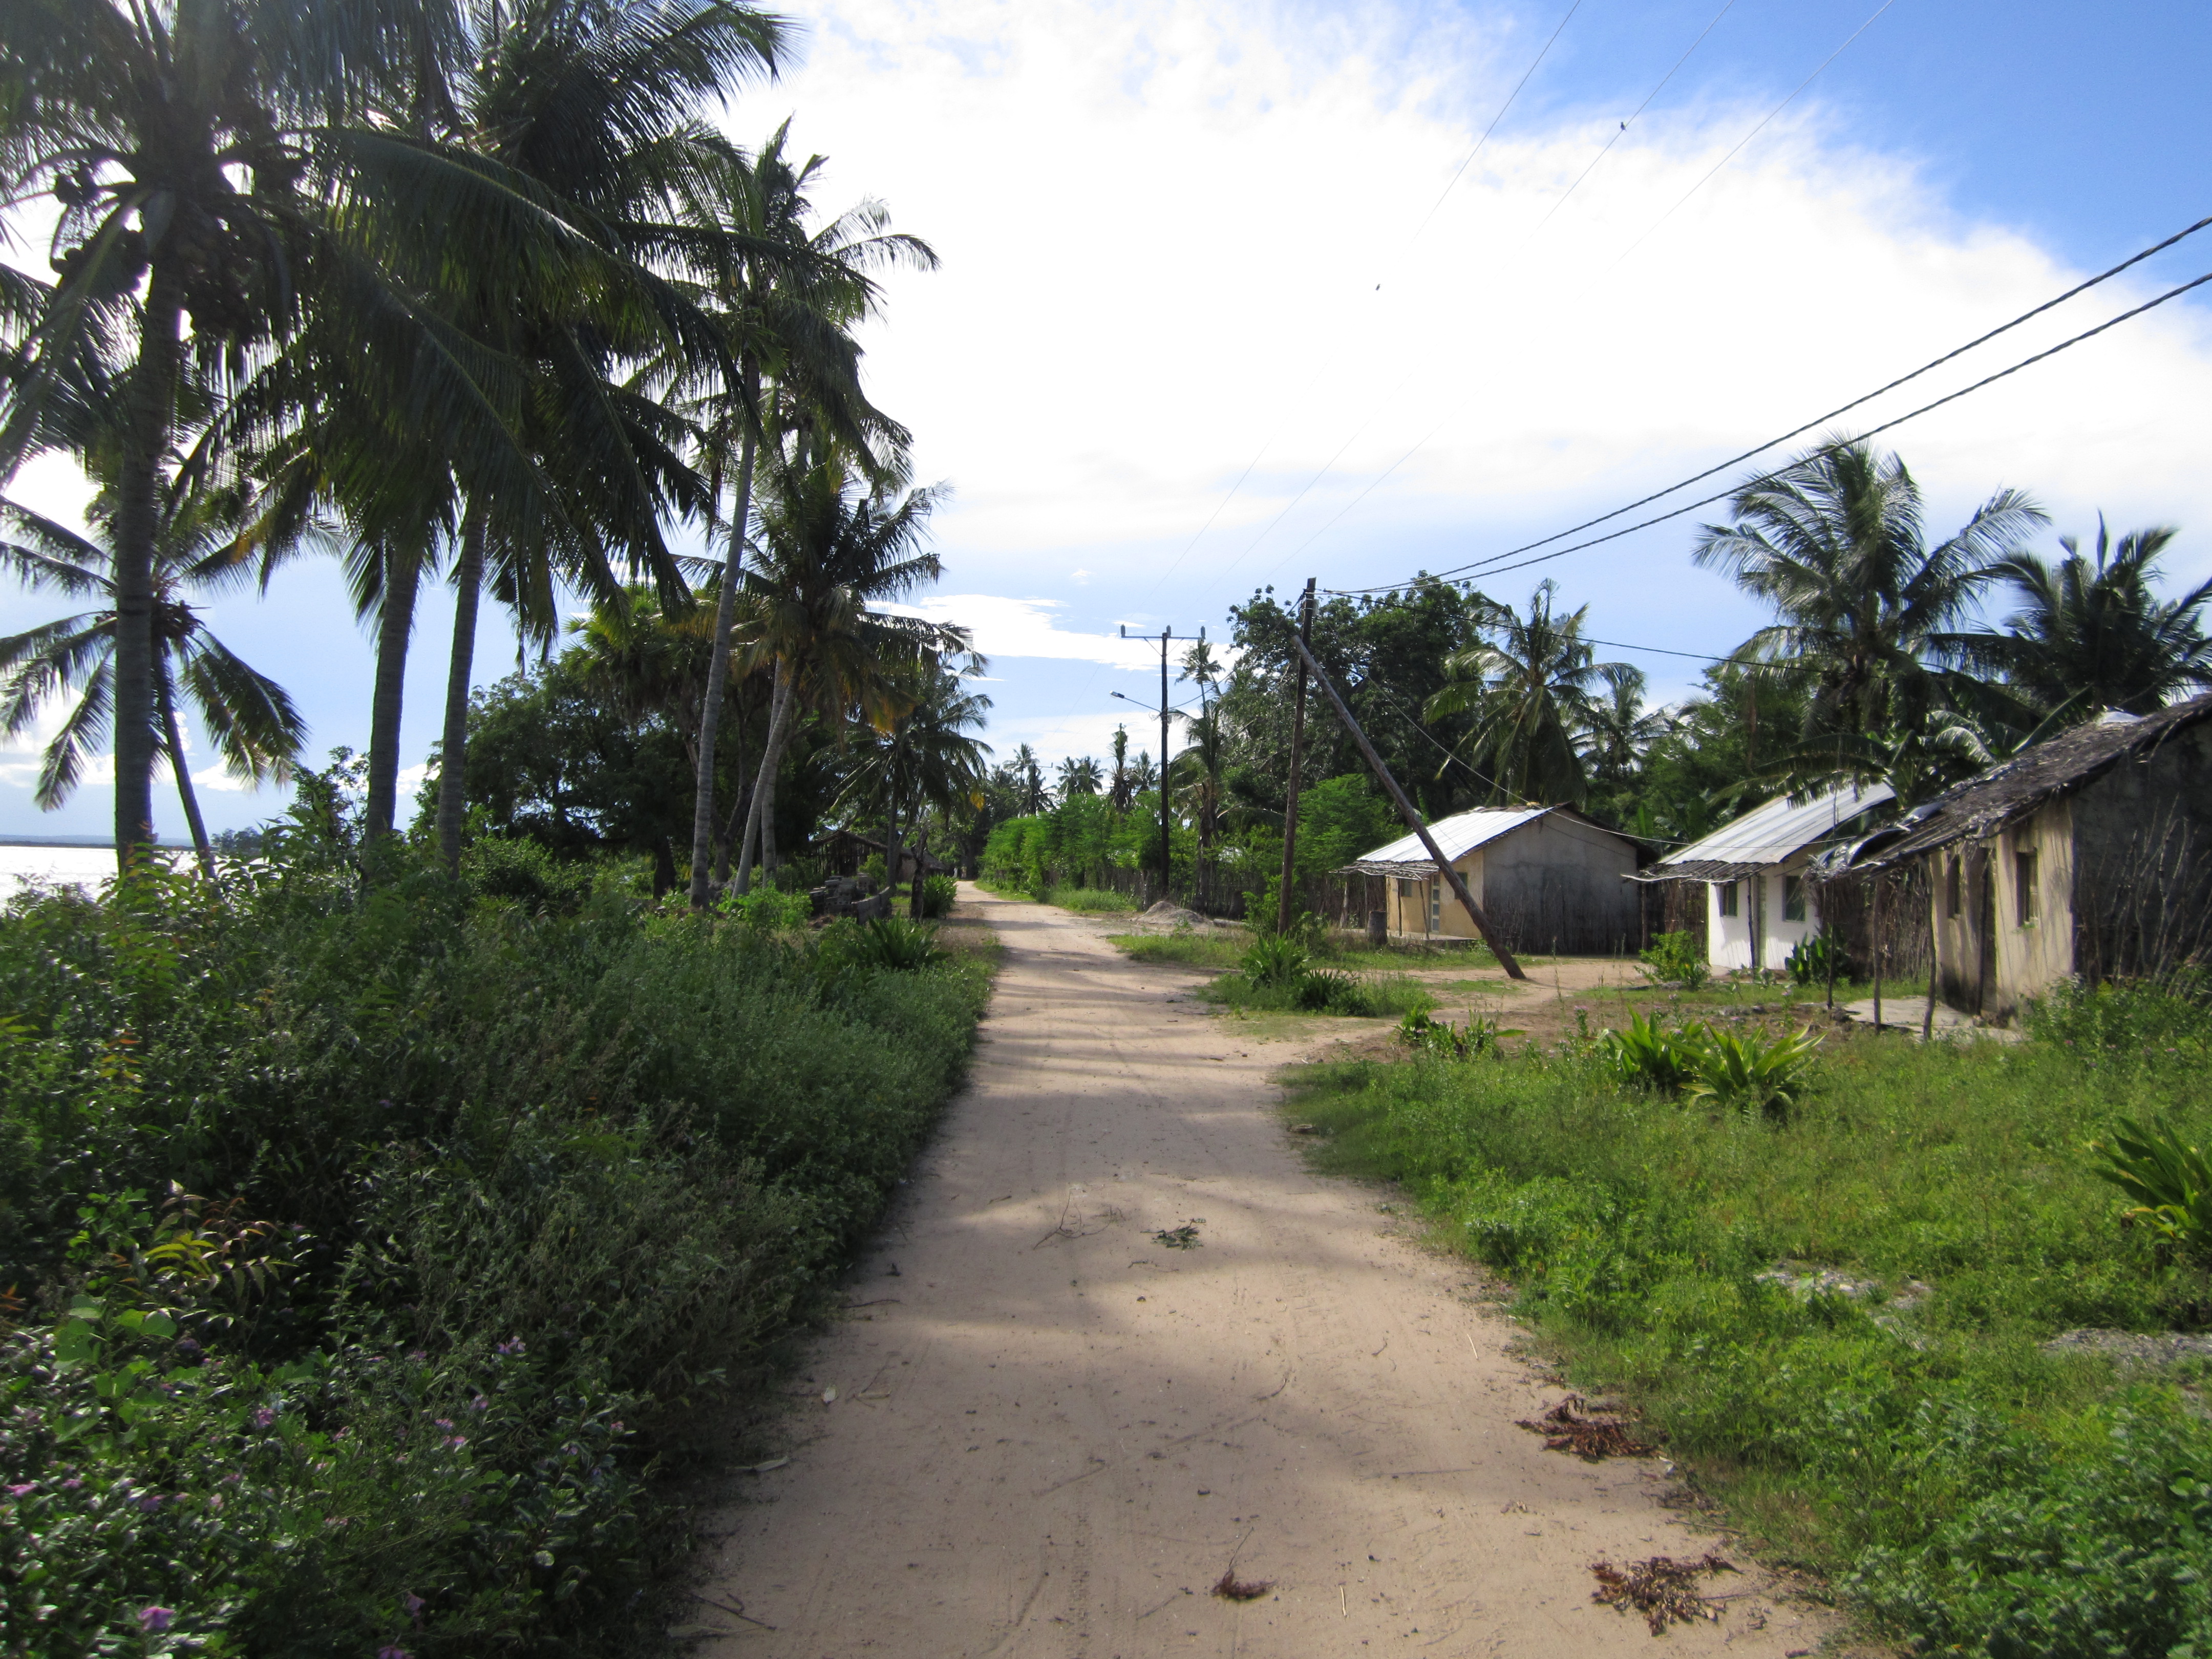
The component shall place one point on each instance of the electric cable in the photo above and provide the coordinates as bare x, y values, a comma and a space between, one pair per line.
1497, 562
1754, 132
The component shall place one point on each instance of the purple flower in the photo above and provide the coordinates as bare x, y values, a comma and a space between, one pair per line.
442, 1422
149, 1503
512, 1346
154, 1621
413, 1605
263, 1416
393, 1653
29, 1486
71, 1483
479, 1403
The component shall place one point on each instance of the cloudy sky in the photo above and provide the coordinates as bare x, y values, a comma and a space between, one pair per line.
1236, 294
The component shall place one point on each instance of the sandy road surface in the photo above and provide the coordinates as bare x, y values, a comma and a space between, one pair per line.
1052, 1434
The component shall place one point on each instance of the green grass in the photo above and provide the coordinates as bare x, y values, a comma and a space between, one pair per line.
1962, 1487
1091, 901
1226, 949
1368, 996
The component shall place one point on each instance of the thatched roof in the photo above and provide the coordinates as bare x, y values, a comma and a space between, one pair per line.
1984, 805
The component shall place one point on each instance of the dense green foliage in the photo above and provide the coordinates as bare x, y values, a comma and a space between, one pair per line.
1965, 1486
366, 1241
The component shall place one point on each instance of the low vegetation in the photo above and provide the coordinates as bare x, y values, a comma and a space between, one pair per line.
1840, 1312
368, 1240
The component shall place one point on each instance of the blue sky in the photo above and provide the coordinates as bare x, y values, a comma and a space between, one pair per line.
1163, 226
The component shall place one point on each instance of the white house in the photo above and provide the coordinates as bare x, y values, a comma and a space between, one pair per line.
1548, 878
1758, 906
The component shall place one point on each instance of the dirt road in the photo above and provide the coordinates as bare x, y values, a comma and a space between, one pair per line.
1053, 1432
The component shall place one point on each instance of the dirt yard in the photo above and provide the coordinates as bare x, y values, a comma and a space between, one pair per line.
1117, 1343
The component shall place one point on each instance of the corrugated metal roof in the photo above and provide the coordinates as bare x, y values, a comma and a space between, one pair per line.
1768, 836
1456, 835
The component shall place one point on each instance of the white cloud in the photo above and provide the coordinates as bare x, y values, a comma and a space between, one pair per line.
1004, 626
1164, 225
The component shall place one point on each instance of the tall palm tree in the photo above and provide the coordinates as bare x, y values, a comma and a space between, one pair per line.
189, 149
787, 302
831, 548
1617, 727
1079, 775
1120, 782
1834, 542
1028, 780
1200, 776
1529, 684
251, 721
927, 759
2091, 634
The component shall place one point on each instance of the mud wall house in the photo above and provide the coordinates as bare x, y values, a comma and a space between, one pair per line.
2090, 854
1761, 902
1548, 878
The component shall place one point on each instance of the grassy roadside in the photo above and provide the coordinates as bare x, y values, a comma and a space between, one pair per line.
369, 1242
1226, 949
1899, 1427
1090, 901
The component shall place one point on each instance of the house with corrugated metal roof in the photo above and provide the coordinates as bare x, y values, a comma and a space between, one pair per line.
1759, 905
1547, 878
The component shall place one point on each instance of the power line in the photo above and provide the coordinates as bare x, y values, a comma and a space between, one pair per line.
1496, 559
1754, 132
1492, 127
1640, 108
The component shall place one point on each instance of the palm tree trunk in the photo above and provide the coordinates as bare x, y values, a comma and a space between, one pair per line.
453, 752
153, 410
717, 671
395, 626
763, 788
891, 848
165, 702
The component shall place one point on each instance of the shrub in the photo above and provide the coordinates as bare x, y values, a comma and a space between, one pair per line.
1748, 1073
892, 943
1655, 1058
1443, 1041
2130, 1018
2170, 1179
939, 894
1678, 959
769, 911
1275, 960
1811, 960
526, 873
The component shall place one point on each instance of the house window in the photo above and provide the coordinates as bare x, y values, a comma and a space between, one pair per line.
1793, 898
1724, 898
1954, 889
1436, 907
2023, 877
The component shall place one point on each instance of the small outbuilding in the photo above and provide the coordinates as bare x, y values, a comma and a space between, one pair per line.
2090, 854
1547, 878
1759, 904
842, 852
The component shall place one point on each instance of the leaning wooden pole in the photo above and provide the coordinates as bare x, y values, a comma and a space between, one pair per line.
1412, 814
1298, 756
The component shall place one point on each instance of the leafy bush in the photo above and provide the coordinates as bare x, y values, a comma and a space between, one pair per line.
1812, 959
501, 1190
939, 895
1275, 960
2169, 1179
767, 911
1645, 1053
1677, 959
1748, 1074
524, 872
891, 943
1090, 901
1443, 1041
2130, 1018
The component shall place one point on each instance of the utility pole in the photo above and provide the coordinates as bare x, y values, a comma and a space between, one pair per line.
1412, 814
1297, 749
1167, 636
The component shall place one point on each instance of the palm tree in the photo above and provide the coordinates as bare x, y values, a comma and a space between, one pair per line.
1618, 728
253, 721
1834, 541
1028, 780
1528, 687
1199, 776
1121, 783
1078, 777
927, 759
786, 302
2091, 636
183, 146
830, 548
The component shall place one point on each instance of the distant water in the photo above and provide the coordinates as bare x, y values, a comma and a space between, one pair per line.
82, 866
